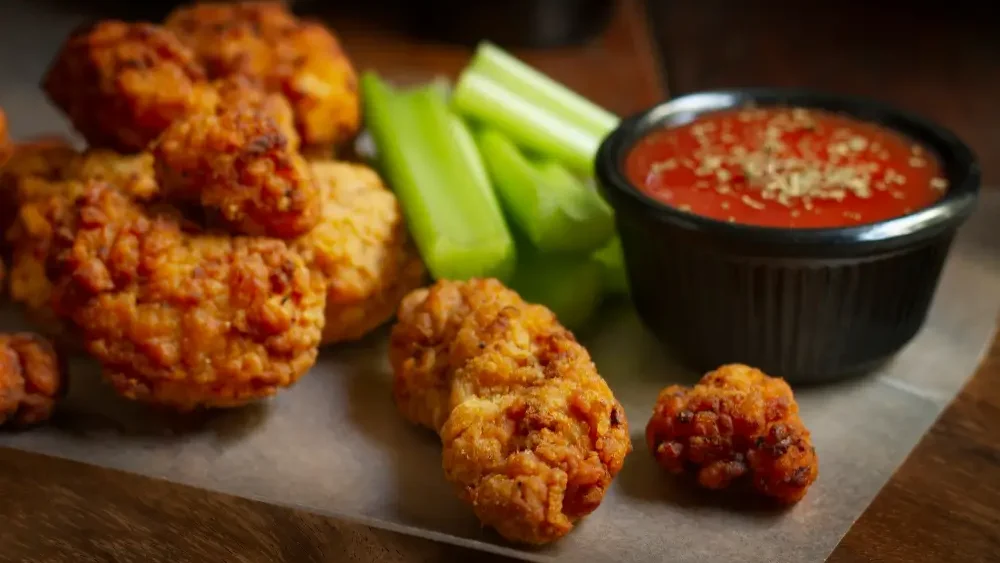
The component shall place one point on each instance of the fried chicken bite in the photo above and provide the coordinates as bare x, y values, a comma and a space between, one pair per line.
736, 424
240, 159
53, 168
429, 320
532, 434
121, 84
31, 379
31, 168
179, 319
361, 247
300, 59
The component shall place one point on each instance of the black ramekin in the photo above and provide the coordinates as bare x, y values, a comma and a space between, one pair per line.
808, 305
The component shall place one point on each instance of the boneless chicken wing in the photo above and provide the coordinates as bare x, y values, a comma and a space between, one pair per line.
298, 58
736, 424
532, 435
31, 379
362, 249
121, 84
177, 318
241, 160
52, 168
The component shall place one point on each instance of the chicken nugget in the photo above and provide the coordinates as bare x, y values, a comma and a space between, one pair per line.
736, 424
237, 159
299, 59
31, 168
361, 247
420, 345
178, 319
532, 434
122, 84
53, 168
31, 379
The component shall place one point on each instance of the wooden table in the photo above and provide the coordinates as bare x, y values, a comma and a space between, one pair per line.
942, 505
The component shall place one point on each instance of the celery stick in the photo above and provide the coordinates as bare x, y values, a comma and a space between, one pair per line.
550, 206
528, 125
569, 285
612, 263
495, 63
452, 212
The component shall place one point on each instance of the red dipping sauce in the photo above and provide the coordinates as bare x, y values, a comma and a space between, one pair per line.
786, 167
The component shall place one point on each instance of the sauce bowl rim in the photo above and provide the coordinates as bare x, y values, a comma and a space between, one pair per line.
959, 163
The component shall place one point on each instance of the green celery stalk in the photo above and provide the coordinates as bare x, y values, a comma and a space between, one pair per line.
521, 79
452, 212
530, 126
569, 285
550, 206
612, 263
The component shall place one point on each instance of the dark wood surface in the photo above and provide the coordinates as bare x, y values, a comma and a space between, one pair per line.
943, 504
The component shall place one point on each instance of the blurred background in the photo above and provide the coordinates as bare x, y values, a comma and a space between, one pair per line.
939, 59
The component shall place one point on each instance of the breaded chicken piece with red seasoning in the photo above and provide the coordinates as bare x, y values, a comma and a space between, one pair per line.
175, 318
32, 379
736, 424
532, 435
53, 168
240, 158
362, 249
121, 84
299, 59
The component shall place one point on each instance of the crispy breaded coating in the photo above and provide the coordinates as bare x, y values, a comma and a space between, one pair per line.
29, 169
238, 160
362, 248
31, 379
300, 59
178, 319
122, 84
420, 347
532, 434
47, 168
736, 423
241, 92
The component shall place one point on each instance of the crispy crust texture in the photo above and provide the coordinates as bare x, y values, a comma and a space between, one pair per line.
240, 159
52, 168
179, 319
300, 59
362, 248
532, 435
122, 84
736, 424
31, 379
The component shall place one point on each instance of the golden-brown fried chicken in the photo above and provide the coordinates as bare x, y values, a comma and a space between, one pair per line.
532, 435
122, 84
241, 160
420, 350
300, 59
179, 319
31, 379
47, 168
736, 423
361, 247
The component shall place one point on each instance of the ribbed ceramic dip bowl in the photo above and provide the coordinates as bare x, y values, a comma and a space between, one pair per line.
813, 252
